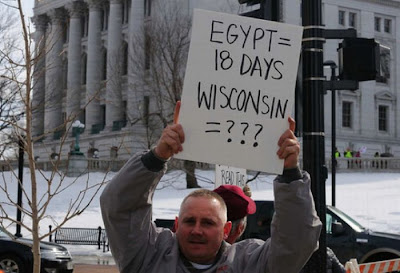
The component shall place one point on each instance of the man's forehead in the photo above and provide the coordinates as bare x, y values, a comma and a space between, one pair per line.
199, 205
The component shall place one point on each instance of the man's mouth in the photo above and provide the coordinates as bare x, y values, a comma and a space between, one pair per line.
197, 241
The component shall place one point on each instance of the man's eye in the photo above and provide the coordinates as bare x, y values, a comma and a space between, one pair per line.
189, 221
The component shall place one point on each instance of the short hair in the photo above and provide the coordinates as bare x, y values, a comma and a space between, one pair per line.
207, 194
237, 222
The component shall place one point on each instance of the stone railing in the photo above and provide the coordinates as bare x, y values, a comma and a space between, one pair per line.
356, 164
370, 164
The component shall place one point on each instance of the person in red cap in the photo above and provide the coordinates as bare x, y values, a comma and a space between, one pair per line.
238, 205
202, 227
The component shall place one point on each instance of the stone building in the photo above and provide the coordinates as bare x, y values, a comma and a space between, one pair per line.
87, 73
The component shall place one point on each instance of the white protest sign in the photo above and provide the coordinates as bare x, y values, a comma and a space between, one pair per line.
226, 175
238, 90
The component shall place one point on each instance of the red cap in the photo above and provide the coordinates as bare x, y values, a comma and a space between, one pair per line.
238, 204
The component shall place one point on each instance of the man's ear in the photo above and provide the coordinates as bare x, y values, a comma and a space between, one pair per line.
175, 227
227, 229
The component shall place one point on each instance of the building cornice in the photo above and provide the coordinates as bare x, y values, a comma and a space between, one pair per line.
43, 6
388, 3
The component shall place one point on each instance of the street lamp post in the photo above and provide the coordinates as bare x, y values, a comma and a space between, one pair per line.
20, 177
333, 67
77, 128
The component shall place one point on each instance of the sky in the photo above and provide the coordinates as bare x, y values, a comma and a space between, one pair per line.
27, 6
373, 199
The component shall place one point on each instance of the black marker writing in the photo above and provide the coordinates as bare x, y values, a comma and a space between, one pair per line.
245, 36
212, 97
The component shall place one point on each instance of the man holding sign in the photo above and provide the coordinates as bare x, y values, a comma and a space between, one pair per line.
201, 228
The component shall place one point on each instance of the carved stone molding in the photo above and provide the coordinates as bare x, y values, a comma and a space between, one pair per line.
116, 1
76, 9
40, 22
57, 15
95, 4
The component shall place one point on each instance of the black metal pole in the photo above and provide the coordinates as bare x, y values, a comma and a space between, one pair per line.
20, 177
313, 122
334, 162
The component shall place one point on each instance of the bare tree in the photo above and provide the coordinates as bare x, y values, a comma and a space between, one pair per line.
17, 72
160, 54
10, 107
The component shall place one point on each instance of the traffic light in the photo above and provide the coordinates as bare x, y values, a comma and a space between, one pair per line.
359, 59
269, 9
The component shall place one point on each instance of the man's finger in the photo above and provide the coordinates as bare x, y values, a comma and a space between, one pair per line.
176, 112
292, 124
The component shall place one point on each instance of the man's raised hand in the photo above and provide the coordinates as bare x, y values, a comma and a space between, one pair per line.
289, 147
172, 137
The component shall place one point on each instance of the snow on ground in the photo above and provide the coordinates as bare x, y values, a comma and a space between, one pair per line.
373, 199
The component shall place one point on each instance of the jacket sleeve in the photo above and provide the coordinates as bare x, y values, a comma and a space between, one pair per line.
126, 206
295, 227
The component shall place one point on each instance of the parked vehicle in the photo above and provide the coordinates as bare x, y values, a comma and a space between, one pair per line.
16, 256
345, 236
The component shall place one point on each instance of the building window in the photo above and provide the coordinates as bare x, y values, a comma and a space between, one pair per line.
65, 32
147, 8
84, 25
104, 15
147, 53
82, 116
83, 68
127, 10
341, 17
347, 114
146, 109
65, 74
384, 74
377, 24
388, 26
352, 19
124, 114
124, 68
383, 118
104, 62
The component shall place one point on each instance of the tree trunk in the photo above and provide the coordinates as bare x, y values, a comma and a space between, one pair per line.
191, 180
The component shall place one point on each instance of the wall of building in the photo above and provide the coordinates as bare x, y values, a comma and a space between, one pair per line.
75, 32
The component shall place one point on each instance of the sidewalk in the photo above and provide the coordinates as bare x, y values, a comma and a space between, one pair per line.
93, 260
87, 268
94, 264
89, 259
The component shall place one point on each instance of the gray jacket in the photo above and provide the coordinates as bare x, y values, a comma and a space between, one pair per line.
139, 247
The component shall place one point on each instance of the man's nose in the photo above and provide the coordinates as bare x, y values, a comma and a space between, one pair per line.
197, 229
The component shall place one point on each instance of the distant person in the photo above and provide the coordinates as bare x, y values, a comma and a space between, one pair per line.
238, 205
337, 153
198, 244
348, 154
375, 163
358, 161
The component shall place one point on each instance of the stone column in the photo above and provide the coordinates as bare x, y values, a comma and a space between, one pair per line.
94, 68
54, 73
39, 74
136, 24
74, 60
114, 109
